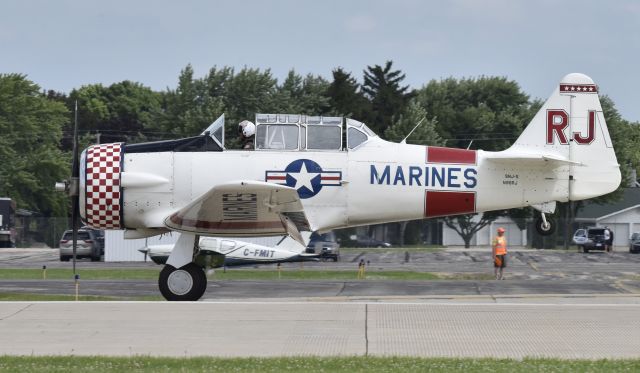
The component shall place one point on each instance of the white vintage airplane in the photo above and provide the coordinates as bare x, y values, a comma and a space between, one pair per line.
302, 177
218, 252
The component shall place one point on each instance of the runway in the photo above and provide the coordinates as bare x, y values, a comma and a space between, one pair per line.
553, 304
263, 329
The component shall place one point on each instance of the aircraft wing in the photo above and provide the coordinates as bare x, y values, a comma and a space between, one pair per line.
243, 208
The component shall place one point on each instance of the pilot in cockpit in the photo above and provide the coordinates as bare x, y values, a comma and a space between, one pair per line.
247, 131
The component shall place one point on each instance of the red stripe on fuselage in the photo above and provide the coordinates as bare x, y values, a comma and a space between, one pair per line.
443, 203
436, 154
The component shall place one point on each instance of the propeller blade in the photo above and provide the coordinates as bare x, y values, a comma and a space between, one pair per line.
74, 191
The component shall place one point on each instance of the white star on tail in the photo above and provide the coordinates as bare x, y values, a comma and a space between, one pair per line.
303, 178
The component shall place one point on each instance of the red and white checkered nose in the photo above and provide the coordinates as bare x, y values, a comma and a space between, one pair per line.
101, 176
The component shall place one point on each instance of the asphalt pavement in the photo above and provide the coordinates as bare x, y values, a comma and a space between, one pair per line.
529, 272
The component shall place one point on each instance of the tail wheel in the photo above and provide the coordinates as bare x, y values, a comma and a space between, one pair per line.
545, 228
187, 283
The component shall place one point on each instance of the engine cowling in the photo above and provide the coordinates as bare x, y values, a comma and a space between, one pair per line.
100, 186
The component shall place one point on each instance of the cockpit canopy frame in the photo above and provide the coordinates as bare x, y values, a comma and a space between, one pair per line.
295, 132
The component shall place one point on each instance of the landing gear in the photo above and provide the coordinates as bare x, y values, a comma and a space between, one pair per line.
544, 226
181, 279
187, 283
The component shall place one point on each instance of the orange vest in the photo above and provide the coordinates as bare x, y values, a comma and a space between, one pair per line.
500, 245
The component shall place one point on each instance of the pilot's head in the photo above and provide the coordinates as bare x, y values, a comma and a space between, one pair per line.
246, 128
500, 231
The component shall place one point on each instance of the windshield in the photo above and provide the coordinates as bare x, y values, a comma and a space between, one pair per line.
82, 235
216, 131
277, 136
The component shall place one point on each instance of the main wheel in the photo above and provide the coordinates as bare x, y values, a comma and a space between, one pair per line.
545, 229
187, 283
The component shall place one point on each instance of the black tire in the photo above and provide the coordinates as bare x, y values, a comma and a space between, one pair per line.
64, 258
545, 231
189, 283
585, 250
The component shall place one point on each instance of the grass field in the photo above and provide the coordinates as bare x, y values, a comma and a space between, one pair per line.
307, 364
238, 274
31, 297
85, 274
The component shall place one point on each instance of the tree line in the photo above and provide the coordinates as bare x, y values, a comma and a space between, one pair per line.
485, 112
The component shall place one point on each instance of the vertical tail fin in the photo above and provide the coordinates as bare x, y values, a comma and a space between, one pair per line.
570, 125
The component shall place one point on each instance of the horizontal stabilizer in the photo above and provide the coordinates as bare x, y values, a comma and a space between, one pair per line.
509, 156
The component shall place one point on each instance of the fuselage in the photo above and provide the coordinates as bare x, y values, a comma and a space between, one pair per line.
376, 183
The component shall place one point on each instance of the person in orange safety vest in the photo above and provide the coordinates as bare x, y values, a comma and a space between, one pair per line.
499, 246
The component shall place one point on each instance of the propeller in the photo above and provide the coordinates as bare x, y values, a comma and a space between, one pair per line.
72, 188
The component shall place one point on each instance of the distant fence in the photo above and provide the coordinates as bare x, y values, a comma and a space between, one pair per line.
39, 231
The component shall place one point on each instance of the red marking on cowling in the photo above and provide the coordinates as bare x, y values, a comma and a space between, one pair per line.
443, 203
436, 154
102, 191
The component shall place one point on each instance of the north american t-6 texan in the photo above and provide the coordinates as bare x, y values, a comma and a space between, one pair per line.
311, 173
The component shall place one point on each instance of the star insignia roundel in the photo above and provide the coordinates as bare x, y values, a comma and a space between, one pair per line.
305, 176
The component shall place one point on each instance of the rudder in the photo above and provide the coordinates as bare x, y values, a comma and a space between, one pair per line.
571, 125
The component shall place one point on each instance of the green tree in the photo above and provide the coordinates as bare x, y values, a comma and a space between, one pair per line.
306, 95
382, 86
117, 113
491, 111
625, 137
250, 91
193, 105
424, 134
31, 127
345, 96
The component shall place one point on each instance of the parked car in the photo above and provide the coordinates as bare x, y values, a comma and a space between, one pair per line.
88, 245
580, 237
595, 240
325, 245
634, 243
99, 237
371, 242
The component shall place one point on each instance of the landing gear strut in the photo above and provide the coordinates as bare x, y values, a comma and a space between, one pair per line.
187, 283
181, 279
544, 226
